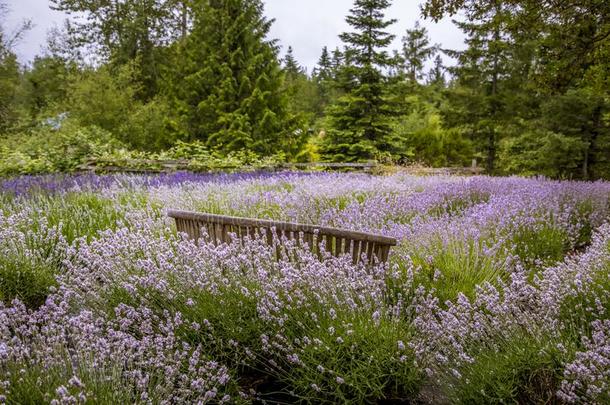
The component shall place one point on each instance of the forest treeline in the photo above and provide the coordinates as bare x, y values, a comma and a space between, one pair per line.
529, 94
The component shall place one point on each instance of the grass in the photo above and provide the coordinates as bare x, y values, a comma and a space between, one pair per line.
25, 279
30, 384
522, 370
454, 267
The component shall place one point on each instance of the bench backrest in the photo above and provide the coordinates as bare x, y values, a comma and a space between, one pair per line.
337, 241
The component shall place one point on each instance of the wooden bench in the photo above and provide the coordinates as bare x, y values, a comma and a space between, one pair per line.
336, 241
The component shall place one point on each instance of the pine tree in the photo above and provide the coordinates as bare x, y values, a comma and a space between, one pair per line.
323, 77
416, 50
291, 66
337, 62
436, 76
227, 86
302, 92
482, 74
359, 120
323, 70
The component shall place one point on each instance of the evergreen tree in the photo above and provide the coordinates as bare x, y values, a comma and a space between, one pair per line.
337, 62
571, 36
227, 85
291, 66
483, 76
436, 76
323, 70
303, 99
416, 50
528, 65
323, 76
359, 120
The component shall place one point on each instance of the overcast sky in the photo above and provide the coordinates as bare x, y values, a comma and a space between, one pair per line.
307, 25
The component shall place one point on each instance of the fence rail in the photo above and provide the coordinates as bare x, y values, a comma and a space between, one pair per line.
166, 166
161, 166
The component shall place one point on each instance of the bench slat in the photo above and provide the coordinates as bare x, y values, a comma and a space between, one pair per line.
336, 241
295, 227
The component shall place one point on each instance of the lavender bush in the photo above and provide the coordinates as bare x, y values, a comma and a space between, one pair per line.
499, 291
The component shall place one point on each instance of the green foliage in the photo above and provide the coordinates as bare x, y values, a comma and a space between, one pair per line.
541, 152
26, 279
529, 94
416, 50
426, 140
10, 74
83, 215
46, 150
303, 97
359, 120
453, 268
46, 84
436, 76
127, 31
32, 382
526, 65
28, 265
578, 116
101, 98
147, 127
362, 362
227, 86
9, 80
107, 99
323, 76
524, 370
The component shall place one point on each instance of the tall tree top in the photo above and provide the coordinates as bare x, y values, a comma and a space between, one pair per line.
323, 70
436, 76
368, 41
291, 66
416, 50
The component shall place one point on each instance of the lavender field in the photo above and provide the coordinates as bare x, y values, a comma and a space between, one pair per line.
498, 292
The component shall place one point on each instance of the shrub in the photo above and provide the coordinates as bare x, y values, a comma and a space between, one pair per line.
47, 150
423, 134
541, 152
31, 254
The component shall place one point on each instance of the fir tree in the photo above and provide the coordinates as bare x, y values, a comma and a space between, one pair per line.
359, 120
303, 99
228, 84
416, 50
337, 62
323, 77
324, 67
482, 73
291, 66
436, 76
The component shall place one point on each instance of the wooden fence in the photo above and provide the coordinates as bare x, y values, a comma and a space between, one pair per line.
163, 166
167, 166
